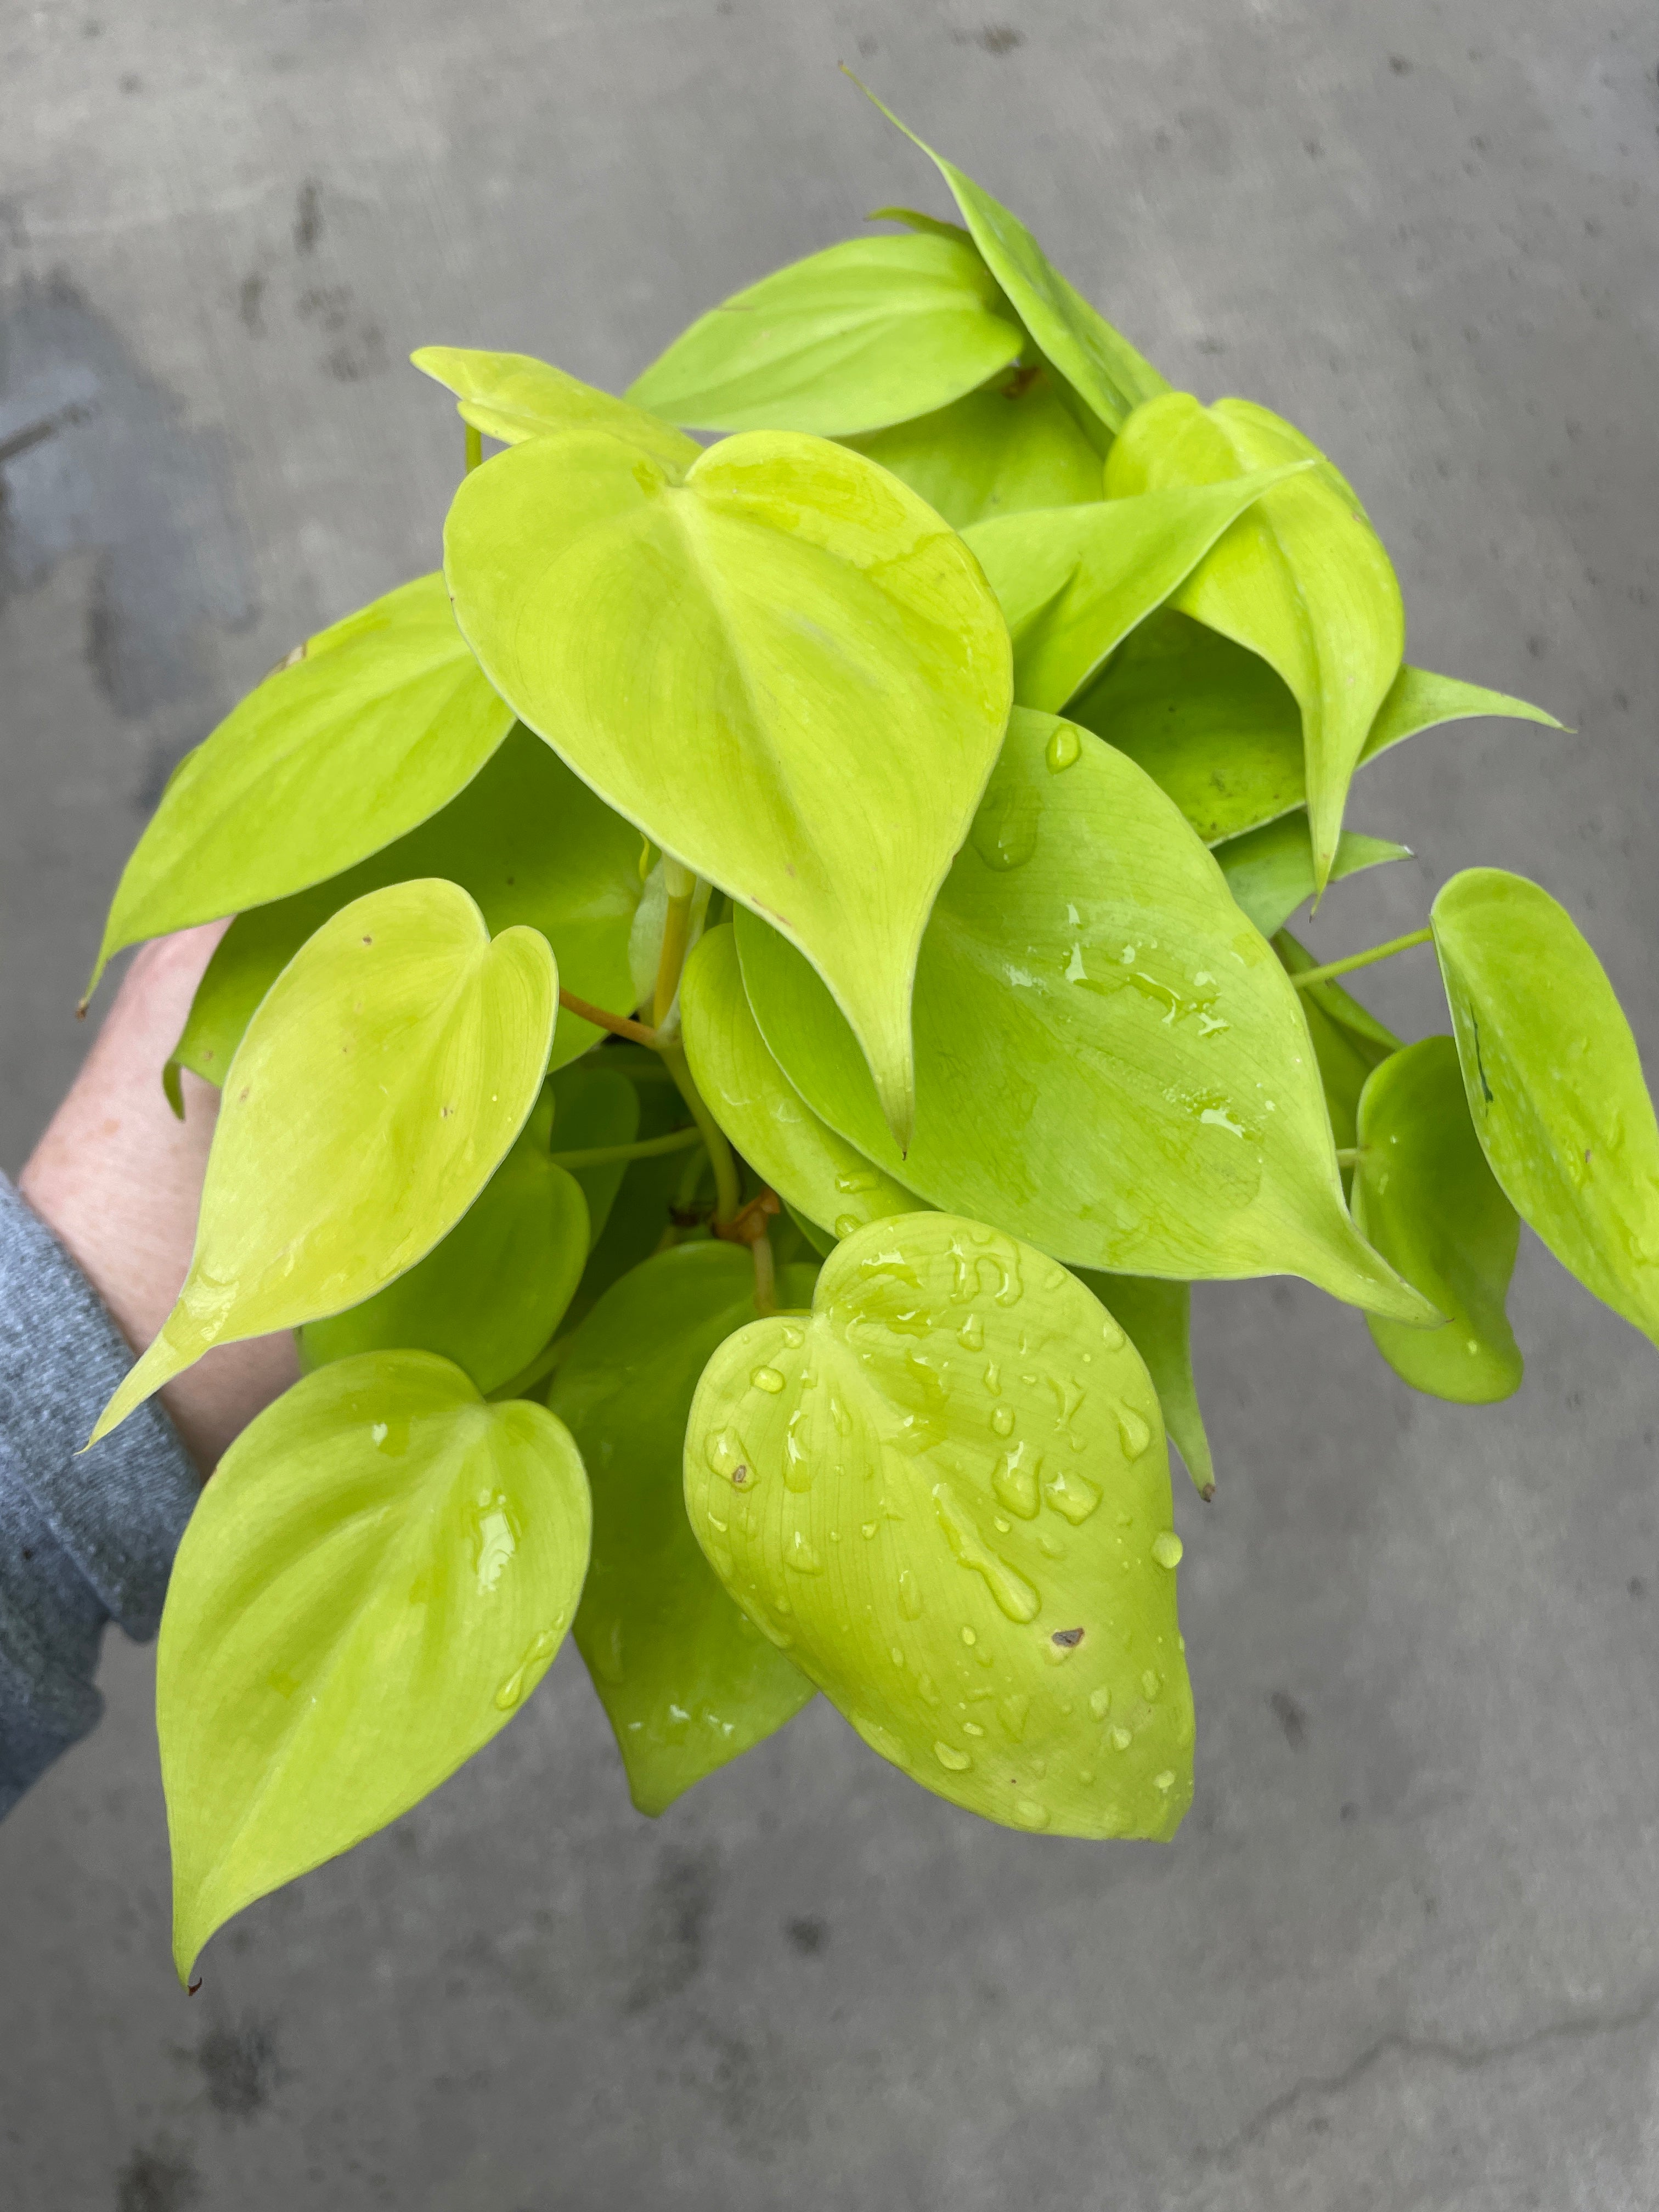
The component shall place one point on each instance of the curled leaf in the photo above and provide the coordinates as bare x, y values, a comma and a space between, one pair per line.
513, 397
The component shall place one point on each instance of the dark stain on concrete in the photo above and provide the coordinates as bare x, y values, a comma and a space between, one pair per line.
159, 2177
239, 2068
308, 216
809, 1936
1291, 1717
672, 1938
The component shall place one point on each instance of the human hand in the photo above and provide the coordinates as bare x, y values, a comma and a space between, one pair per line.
119, 1180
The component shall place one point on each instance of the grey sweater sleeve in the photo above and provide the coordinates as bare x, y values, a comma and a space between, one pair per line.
84, 1538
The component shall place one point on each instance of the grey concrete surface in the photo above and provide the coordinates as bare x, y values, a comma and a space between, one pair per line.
1404, 1952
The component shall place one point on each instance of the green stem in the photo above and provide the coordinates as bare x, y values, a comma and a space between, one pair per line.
1347, 1155
646, 1148
766, 1275
474, 448
728, 1192
676, 930
691, 1182
1309, 976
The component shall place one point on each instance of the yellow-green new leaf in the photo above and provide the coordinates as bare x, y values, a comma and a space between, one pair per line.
1270, 870
1554, 1083
760, 1110
382, 1080
1302, 579
382, 719
1157, 1316
1110, 1062
1425, 1197
1073, 582
513, 397
944, 1494
1013, 445
375, 1579
787, 670
870, 332
685, 1678
1348, 1042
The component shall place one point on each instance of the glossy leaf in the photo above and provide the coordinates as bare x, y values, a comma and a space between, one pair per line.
492, 1293
1098, 362
1302, 579
944, 1494
513, 397
1110, 1061
1348, 1041
1015, 444
1157, 1316
1270, 870
868, 333
824, 694
1554, 1083
802, 1158
1425, 1197
383, 1078
382, 719
526, 839
687, 1681
595, 1106
1212, 723
1073, 581
377, 1577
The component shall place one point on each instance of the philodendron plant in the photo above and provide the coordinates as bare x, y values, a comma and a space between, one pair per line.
755, 992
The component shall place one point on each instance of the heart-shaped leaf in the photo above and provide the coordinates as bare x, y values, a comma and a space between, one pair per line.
377, 724
513, 397
1302, 579
829, 1181
1110, 1062
492, 1293
531, 844
1157, 1316
389, 1068
1270, 870
868, 333
785, 670
1554, 1083
376, 1577
944, 1494
686, 1679
1425, 1197
1013, 445
1073, 581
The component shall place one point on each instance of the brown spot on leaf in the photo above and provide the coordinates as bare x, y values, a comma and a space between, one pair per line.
1068, 1637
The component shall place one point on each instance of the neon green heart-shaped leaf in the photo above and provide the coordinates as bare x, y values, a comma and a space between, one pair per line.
1157, 1316
1014, 444
1270, 870
944, 1494
686, 1679
785, 670
381, 721
1425, 1197
1302, 579
529, 842
1554, 1083
829, 1181
1073, 581
513, 397
868, 333
376, 1577
1110, 1062
492, 1293
389, 1068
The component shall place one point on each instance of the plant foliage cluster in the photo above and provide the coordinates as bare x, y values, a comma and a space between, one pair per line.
755, 993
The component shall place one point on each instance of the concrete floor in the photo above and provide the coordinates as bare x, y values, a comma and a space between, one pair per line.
1404, 1952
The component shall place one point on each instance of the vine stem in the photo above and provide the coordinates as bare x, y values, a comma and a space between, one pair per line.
474, 448
646, 1148
728, 1191
680, 883
766, 1275
619, 1024
1309, 976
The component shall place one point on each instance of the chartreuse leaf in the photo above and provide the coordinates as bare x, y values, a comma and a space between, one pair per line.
944, 1494
686, 1679
648, 1193
1013, 445
526, 838
1212, 723
1348, 1041
811, 1168
493, 1292
914, 219
1072, 582
1302, 579
1110, 1062
379, 723
1157, 1316
1425, 1197
870, 332
513, 397
826, 685
1098, 362
595, 1108
1270, 872
375, 1579
389, 1068
1554, 1083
